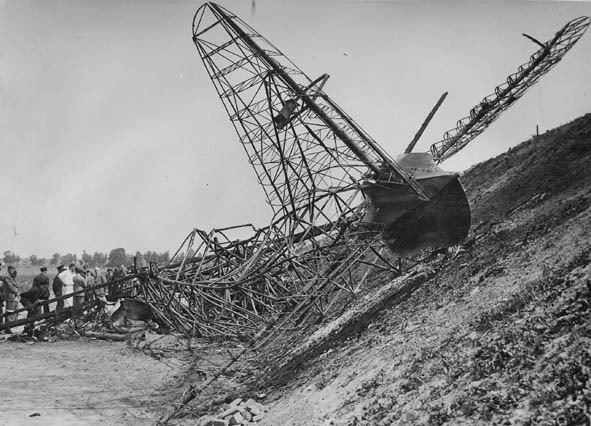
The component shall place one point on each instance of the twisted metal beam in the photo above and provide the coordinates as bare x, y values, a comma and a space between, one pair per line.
220, 286
489, 109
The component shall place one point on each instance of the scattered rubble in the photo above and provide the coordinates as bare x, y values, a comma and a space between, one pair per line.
238, 412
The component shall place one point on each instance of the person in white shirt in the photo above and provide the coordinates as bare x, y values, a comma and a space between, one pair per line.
67, 277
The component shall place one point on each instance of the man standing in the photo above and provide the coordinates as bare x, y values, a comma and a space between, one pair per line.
118, 274
41, 282
1, 299
99, 279
58, 288
29, 300
89, 276
99, 293
67, 277
11, 294
79, 284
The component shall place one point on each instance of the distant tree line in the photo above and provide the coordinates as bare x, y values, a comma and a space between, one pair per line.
116, 257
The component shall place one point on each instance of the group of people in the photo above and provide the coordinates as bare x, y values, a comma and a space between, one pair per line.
85, 283
74, 279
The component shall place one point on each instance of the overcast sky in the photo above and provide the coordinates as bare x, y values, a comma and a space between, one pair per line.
112, 134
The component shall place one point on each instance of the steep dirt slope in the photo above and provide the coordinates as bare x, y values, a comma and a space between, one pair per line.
499, 334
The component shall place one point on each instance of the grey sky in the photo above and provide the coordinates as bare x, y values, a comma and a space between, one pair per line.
112, 134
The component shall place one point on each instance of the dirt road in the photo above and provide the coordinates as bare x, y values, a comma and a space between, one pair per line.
84, 382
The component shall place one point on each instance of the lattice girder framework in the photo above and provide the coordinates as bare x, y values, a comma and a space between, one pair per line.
308, 154
491, 107
311, 159
220, 286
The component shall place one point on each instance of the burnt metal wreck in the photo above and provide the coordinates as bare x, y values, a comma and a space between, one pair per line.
342, 205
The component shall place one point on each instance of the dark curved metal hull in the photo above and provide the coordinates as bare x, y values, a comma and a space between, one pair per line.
411, 225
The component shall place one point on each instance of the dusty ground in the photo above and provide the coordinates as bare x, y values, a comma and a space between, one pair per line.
84, 382
74, 380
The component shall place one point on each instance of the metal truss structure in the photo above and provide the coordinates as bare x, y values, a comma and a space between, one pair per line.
310, 158
218, 286
313, 162
308, 154
491, 107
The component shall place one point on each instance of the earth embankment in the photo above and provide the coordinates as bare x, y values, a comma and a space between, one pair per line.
500, 334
